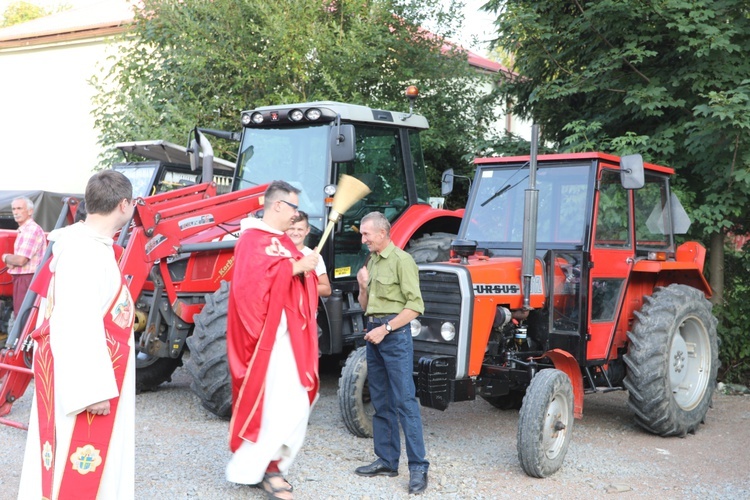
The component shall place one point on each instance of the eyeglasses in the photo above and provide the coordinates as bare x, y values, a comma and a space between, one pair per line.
295, 207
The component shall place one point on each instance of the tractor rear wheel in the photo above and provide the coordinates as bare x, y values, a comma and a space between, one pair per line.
354, 395
545, 424
207, 363
434, 247
672, 361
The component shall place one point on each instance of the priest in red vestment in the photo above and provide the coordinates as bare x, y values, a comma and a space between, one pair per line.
272, 346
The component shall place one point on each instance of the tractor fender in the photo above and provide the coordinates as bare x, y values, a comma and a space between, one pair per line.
420, 219
685, 269
566, 363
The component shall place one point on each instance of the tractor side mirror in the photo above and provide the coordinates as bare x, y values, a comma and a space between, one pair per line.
446, 184
342, 143
631, 171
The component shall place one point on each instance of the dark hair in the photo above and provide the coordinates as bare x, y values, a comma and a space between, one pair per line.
105, 190
301, 216
275, 190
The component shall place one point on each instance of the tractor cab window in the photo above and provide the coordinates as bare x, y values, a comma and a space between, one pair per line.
297, 155
653, 215
379, 163
613, 215
142, 177
495, 215
566, 290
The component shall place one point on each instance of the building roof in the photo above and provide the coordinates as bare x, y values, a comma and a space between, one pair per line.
97, 18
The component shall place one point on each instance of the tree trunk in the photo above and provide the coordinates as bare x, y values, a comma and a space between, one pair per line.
716, 268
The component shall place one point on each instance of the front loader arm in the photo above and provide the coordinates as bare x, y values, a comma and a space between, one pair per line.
164, 223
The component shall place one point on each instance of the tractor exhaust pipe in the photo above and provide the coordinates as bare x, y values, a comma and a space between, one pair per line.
530, 210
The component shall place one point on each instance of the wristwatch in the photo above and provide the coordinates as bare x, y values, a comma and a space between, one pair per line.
388, 328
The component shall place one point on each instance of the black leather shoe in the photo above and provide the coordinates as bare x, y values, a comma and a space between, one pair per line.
417, 481
377, 468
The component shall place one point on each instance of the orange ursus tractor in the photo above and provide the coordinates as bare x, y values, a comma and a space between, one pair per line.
567, 279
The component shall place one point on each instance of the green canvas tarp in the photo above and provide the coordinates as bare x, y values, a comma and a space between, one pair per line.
47, 207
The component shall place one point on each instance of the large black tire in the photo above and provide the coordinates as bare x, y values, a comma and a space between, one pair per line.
434, 247
545, 424
672, 361
151, 372
207, 363
354, 395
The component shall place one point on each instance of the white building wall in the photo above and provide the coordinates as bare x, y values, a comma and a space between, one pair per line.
46, 129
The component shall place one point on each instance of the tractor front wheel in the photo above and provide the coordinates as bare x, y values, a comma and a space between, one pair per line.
545, 424
207, 363
672, 361
354, 395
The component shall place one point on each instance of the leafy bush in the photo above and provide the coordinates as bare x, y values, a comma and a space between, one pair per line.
733, 315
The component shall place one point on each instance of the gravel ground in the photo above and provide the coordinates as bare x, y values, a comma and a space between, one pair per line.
182, 450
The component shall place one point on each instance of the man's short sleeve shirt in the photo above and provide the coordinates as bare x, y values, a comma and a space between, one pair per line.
393, 283
31, 244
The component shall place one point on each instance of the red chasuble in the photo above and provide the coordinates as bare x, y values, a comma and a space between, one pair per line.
262, 287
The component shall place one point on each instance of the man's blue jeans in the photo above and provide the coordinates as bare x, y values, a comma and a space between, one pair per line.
389, 375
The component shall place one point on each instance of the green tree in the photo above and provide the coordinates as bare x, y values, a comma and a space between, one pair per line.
203, 62
20, 12
668, 79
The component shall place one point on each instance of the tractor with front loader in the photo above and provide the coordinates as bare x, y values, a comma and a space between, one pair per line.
566, 279
179, 248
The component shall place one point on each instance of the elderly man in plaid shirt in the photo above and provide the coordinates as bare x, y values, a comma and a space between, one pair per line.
28, 250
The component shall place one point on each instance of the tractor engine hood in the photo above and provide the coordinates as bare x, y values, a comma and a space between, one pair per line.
497, 281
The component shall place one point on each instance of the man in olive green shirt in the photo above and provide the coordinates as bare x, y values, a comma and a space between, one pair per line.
389, 294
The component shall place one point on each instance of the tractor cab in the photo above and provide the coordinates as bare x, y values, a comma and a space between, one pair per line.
167, 167
311, 145
599, 217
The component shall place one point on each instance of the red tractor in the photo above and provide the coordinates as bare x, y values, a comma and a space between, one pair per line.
311, 145
179, 250
568, 280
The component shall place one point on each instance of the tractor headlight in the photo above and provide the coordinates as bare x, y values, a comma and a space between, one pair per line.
256, 118
329, 190
296, 115
313, 114
416, 327
448, 331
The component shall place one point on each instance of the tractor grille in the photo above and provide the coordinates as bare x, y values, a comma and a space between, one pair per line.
447, 295
441, 294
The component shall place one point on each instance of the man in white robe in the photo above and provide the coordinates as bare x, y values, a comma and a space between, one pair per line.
86, 294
